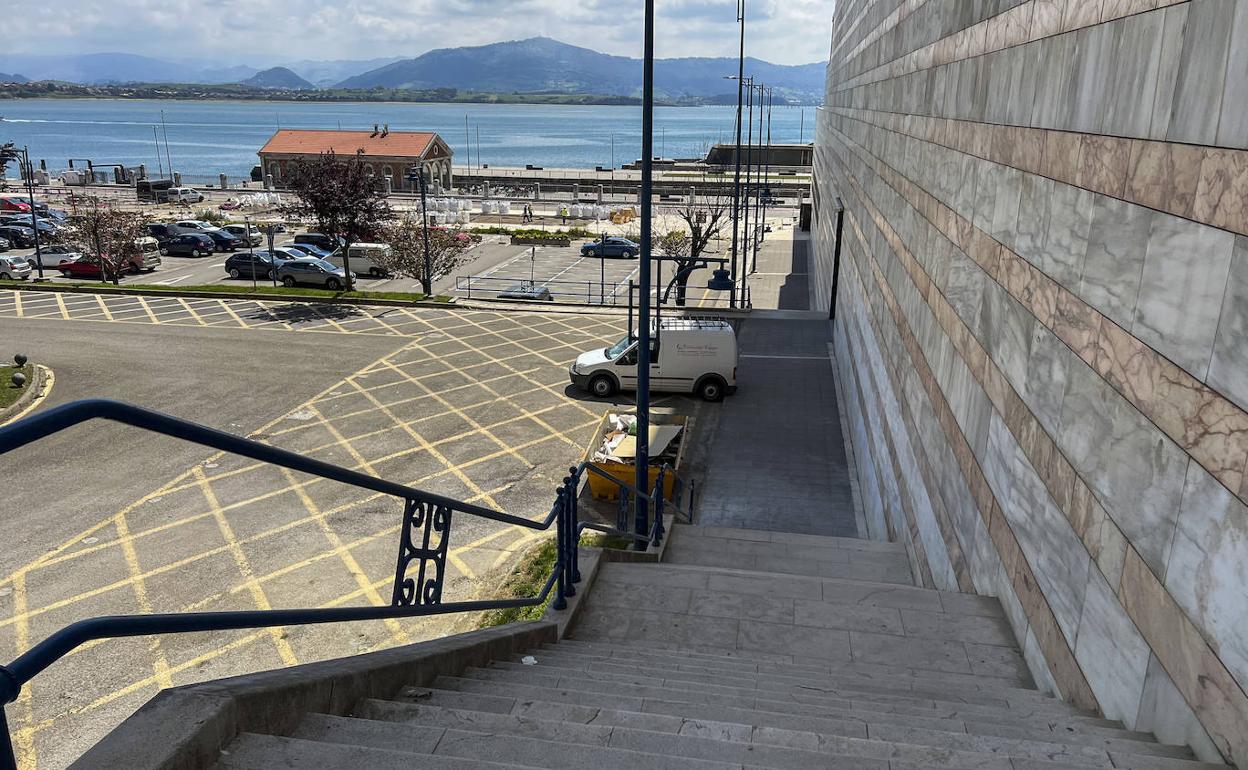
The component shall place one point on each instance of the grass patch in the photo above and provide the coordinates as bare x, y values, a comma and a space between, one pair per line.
261, 288
8, 393
528, 577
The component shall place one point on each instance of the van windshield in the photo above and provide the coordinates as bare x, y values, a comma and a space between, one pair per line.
618, 348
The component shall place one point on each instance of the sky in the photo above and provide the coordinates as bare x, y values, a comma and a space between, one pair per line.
263, 32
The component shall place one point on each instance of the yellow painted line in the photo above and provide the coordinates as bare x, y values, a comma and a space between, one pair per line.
60, 303
472, 485
49, 379
191, 310
226, 306
244, 567
461, 566
17, 303
108, 314
147, 308
161, 664
24, 745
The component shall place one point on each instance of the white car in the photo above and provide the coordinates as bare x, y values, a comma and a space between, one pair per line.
14, 269
363, 258
184, 195
692, 355
197, 225
240, 231
53, 255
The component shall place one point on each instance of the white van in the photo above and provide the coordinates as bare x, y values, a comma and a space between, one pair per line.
184, 195
363, 258
689, 355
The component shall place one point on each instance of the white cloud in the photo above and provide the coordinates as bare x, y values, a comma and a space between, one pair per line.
263, 31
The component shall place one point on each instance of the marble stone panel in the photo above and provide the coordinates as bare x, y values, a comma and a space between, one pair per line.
1228, 370
1032, 231
1094, 66
1046, 386
1170, 51
1135, 77
966, 289
988, 179
1053, 81
1111, 651
1007, 332
1117, 243
1222, 193
1208, 567
1070, 221
1202, 73
1233, 123
1005, 209
1165, 714
1183, 282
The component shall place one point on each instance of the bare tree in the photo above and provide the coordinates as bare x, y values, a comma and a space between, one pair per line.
108, 235
342, 196
407, 249
704, 215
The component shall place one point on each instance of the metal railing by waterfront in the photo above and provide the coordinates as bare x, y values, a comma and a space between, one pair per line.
419, 570
588, 292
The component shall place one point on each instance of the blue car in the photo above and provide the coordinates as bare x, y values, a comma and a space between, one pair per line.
310, 249
611, 247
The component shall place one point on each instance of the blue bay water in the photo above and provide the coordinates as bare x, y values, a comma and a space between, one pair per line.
219, 137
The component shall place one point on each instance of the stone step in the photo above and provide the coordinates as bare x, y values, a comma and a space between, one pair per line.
674, 661
810, 550
766, 686
564, 679
840, 591
647, 628
554, 661
631, 698
755, 535
488, 747
251, 751
878, 567
593, 725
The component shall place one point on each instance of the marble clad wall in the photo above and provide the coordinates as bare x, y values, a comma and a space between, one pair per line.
1042, 328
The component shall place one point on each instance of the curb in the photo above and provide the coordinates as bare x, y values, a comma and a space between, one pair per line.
173, 292
34, 395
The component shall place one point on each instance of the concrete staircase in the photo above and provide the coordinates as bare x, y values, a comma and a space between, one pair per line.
742, 649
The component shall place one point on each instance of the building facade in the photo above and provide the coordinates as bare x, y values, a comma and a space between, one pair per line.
388, 154
1041, 329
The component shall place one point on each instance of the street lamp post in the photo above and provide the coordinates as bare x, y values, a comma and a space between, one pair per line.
746, 233
642, 479
29, 172
736, 185
418, 171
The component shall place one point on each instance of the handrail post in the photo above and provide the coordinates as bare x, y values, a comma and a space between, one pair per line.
7, 759
658, 507
574, 516
561, 525
569, 539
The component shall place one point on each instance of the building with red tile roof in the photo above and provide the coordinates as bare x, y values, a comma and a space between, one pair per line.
389, 154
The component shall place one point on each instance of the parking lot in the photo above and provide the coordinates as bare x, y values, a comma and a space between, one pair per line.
105, 520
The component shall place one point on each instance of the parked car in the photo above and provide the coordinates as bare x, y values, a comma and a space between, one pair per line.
363, 258
163, 232
225, 241
148, 258
53, 255
14, 204
611, 247
14, 269
84, 267
195, 225
260, 264
46, 227
184, 195
307, 249
188, 245
240, 231
693, 355
320, 241
18, 236
310, 270
285, 253
4, 244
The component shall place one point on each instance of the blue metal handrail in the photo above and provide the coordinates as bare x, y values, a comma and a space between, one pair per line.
425, 515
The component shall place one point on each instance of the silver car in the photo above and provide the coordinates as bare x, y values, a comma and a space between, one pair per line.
14, 269
240, 231
53, 255
312, 271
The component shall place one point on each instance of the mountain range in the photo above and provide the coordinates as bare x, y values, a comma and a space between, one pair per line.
535, 65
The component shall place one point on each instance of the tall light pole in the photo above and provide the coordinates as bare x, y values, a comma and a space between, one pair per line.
642, 479
426, 282
29, 173
758, 183
766, 175
746, 233
736, 185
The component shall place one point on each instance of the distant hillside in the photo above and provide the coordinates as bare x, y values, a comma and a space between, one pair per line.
277, 77
543, 65
12, 78
324, 74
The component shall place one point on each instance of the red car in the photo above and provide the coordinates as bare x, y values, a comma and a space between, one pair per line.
87, 267
14, 204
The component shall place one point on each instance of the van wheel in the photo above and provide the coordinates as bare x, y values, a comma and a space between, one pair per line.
375, 272
710, 388
164, 252
602, 386
288, 281
5, 277
271, 275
